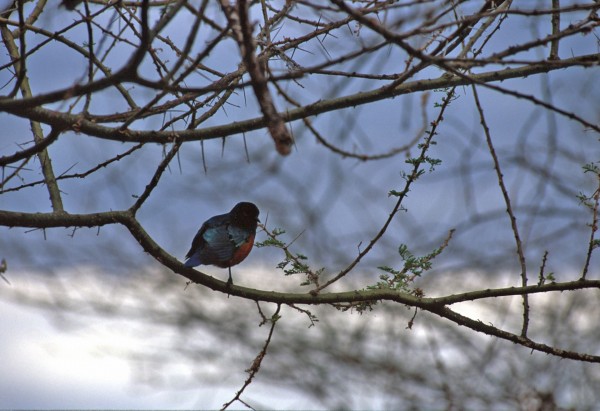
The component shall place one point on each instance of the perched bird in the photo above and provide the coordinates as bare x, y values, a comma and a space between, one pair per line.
225, 240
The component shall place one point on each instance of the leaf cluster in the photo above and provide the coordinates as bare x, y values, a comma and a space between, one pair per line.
292, 263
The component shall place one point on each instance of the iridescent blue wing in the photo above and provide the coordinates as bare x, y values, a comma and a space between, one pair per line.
212, 235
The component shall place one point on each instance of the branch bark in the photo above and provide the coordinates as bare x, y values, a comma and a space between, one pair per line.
91, 128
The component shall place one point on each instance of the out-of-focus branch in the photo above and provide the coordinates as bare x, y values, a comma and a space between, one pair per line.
555, 30
253, 370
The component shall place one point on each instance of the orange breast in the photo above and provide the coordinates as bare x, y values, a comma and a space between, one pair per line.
242, 252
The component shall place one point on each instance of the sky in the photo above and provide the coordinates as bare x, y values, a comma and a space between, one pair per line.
78, 354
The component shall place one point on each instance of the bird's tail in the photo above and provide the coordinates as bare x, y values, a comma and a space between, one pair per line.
193, 261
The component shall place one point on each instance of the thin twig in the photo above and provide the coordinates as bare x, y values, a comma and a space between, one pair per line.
255, 367
542, 276
509, 209
30, 151
593, 228
410, 179
156, 177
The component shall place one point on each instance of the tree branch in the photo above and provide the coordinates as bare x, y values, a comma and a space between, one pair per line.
240, 24
91, 128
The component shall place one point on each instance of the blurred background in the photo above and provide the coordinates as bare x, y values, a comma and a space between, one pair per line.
89, 320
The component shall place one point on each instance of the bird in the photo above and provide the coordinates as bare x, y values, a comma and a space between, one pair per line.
226, 239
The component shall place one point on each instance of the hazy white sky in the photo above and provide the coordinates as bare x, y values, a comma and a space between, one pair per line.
337, 203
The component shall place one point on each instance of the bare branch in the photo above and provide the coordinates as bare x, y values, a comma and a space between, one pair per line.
255, 367
509, 209
242, 28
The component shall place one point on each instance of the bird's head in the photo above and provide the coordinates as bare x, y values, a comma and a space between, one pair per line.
245, 214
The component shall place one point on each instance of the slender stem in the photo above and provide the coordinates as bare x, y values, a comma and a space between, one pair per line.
36, 128
255, 367
509, 210
594, 227
411, 178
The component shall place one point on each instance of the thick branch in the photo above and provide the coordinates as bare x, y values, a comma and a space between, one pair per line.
239, 21
319, 107
126, 218
437, 305
517, 339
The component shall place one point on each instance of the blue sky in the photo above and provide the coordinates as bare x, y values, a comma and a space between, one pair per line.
56, 359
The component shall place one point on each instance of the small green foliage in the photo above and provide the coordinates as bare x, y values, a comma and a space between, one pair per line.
591, 168
583, 199
413, 161
421, 146
590, 201
416, 265
450, 95
292, 263
433, 162
394, 279
401, 280
272, 240
550, 277
593, 203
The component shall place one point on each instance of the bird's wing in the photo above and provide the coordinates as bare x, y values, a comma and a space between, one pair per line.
199, 241
217, 241
219, 246
237, 235
221, 243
